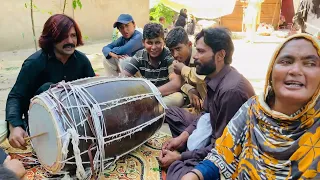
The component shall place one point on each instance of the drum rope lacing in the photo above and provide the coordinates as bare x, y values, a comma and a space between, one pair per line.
85, 103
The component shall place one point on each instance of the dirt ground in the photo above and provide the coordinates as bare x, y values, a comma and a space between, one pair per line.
249, 59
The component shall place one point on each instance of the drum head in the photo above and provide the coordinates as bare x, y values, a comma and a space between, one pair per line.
47, 146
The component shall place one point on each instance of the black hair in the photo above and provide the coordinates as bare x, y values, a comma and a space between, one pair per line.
182, 10
176, 36
152, 31
218, 38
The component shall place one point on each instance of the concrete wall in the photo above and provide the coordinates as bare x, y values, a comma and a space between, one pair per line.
95, 18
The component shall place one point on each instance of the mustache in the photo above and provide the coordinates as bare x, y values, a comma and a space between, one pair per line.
66, 45
196, 62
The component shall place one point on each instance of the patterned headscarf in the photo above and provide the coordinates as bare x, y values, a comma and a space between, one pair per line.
260, 143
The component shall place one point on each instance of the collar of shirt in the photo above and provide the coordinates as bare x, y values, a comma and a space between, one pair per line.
215, 81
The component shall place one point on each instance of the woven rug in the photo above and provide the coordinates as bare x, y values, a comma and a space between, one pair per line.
140, 164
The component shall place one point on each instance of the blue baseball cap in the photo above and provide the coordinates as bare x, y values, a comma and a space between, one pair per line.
123, 19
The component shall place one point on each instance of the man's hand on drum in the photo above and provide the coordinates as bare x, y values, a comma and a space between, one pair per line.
16, 138
177, 142
167, 157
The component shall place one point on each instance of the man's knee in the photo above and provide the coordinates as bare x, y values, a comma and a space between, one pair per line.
3, 130
174, 99
111, 66
123, 63
177, 170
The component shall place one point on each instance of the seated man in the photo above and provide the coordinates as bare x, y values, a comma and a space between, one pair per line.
10, 169
117, 53
227, 90
154, 63
181, 49
56, 61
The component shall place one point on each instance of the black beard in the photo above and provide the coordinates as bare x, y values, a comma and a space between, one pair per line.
205, 69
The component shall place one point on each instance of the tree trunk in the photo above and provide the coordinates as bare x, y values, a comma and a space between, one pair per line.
32, 21
64, 6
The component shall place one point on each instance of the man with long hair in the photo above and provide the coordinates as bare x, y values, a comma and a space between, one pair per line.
56, 61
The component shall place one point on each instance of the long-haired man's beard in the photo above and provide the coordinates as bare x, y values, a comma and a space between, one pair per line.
205, 69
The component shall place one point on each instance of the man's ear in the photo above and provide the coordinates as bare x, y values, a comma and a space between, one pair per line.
221, 55
190, 44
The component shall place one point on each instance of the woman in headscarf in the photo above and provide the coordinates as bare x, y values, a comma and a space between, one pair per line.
182, 19
275, 135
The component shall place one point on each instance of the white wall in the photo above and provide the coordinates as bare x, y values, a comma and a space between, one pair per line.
95, 18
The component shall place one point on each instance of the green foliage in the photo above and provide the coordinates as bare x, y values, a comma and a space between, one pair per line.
76, 3
36, 9
86, 38
161, 10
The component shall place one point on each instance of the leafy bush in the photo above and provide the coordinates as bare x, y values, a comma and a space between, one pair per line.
161, 10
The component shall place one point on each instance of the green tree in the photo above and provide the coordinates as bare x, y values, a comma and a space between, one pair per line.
75, 4
161, 10
32, 22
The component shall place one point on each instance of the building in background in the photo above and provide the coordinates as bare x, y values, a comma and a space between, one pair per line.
95, 19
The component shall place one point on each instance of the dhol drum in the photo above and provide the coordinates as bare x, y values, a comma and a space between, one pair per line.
89, 123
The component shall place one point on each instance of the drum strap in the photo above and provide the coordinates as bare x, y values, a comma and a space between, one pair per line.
81, 174
91, 161
61, 109
90, 122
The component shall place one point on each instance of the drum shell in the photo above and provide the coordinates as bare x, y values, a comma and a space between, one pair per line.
126, 116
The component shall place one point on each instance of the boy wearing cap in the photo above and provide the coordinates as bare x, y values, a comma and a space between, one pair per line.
117, 53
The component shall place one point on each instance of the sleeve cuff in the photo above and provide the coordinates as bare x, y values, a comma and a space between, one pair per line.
191, 127
185, 71
106, 52
186, 88
170, 69
17, 123
186, 155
